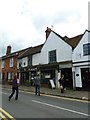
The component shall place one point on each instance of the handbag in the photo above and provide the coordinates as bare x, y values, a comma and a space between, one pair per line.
61, 87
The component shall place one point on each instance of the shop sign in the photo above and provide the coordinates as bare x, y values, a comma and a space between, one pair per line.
33, 69
69, 65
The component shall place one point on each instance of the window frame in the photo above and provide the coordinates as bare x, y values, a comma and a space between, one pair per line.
3, 64
20, 63
52, 56
86, 49
11, 62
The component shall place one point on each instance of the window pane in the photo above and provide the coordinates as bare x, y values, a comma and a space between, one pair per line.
86, 49
52, 56
11, 62
3, 64
30, 61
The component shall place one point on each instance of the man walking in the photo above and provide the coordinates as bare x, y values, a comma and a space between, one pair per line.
37, 84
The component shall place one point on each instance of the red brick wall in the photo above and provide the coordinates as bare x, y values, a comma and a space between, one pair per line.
7, 67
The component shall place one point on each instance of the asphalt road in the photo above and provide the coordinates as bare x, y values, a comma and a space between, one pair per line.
30, 105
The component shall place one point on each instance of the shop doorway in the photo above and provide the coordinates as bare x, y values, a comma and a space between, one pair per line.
85, 75
25, 78
68, 77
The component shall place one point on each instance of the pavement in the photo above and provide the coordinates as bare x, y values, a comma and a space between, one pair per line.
69, 93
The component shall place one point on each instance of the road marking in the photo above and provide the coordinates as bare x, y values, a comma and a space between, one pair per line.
65, 109
65, 98
6, 113
59, 97
3, 116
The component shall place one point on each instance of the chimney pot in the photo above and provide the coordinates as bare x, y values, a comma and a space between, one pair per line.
48, 30
8, 50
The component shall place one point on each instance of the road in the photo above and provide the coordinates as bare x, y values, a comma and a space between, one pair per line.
30, 105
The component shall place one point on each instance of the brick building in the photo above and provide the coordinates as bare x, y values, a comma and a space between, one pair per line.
9, 64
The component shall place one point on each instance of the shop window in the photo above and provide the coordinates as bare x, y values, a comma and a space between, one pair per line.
86, 49
52, 56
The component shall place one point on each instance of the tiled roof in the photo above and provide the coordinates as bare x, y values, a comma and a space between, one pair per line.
14, 54
31, 51
74, 40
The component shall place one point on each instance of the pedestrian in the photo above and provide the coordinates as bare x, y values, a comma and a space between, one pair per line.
15, 85
37, 84
62, 83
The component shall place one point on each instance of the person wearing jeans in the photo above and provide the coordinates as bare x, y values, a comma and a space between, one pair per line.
37, 84
14, 88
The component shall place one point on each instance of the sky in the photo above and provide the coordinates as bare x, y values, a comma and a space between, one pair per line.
23, 22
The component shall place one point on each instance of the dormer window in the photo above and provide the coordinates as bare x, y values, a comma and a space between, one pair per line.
86, 49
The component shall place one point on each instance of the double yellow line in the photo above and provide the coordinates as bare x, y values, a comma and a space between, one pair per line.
5, 115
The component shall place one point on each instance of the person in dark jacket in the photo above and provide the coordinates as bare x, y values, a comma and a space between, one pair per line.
37, 84
14, 88
62, 83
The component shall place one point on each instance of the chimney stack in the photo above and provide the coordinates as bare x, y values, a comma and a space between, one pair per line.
8, 50
48, 30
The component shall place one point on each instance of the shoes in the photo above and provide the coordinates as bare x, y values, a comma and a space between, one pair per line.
16, 99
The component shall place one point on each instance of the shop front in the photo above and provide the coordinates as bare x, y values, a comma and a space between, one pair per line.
66, 69
23, 74
47, 73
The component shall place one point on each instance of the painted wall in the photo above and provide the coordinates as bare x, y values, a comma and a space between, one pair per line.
78, 51
25, 62
81, 60
64, 51
78, 80
36, 59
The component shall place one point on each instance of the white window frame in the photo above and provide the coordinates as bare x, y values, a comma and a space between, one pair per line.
10, 75
2, 64
1, 76
11, 62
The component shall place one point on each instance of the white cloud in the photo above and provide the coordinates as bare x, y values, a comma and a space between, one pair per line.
25, 21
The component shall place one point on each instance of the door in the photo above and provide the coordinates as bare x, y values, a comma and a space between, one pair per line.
85, 75
68, 77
